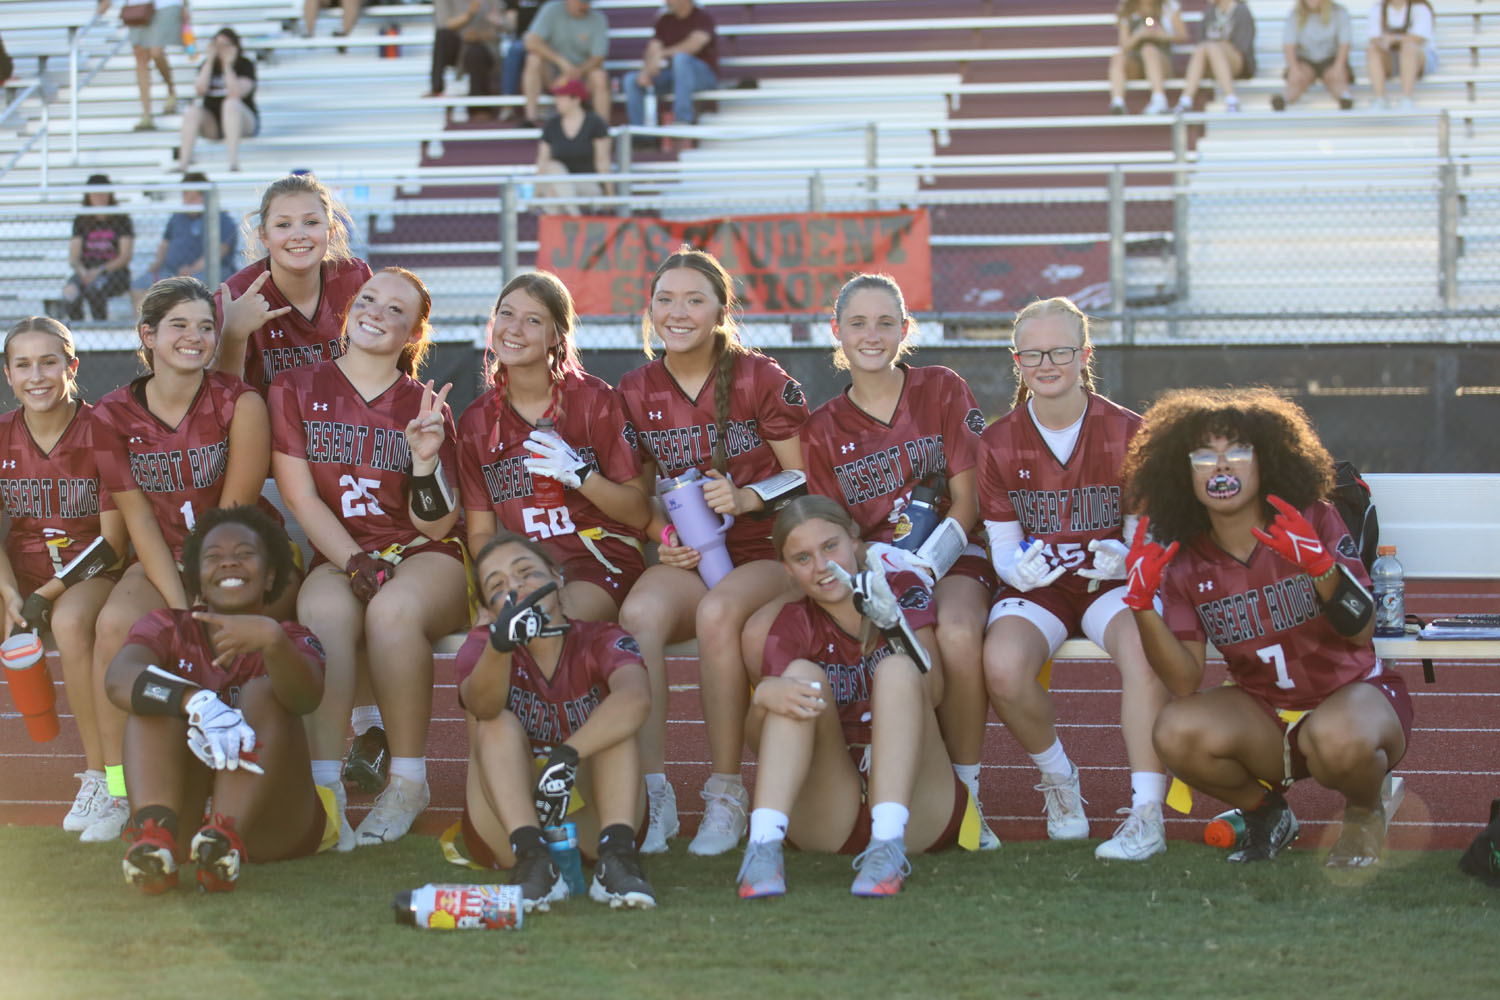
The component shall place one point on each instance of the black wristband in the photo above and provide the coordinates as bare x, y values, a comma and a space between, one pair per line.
157, 692
430, 498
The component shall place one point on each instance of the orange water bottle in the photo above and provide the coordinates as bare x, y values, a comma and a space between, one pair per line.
30, 681
189, 40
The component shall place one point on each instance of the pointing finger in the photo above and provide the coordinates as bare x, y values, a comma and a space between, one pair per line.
255, 285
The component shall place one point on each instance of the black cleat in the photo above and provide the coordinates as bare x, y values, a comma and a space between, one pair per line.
540, 879
619, 881
369, 762
1269, 828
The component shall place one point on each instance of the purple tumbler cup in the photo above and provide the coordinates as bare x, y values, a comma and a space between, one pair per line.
697, 525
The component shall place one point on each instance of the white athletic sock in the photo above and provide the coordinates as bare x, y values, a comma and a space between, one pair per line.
655, 781
969, 775
327, 772
365, 717
1147, 787
767, 826
888, 821
410, 768
1054, 761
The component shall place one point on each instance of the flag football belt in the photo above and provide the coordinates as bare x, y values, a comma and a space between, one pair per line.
591, 538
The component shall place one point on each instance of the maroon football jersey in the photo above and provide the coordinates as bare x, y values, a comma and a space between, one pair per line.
180, 645
53, 499
1263, 615
180, 469
356, 450
870, 466
551, 711
292, 340
1065, 505
804, 631
492, 452
678, 432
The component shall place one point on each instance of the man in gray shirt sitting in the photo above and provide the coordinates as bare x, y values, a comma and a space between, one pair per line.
567, 41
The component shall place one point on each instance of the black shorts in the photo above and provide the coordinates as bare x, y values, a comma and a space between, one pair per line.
1322, 66
1133, 56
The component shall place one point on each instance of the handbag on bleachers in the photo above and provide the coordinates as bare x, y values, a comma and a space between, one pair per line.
138, 15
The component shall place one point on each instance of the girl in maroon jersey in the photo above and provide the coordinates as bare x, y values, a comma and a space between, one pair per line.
173, 444
216, 697
590, 451
570, 696
850, 670
711, 404
287, 309
1267, 571
892, 428
1050, 494
359, 443
49, 441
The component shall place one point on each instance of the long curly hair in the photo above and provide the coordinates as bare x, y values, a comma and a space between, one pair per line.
272, 535
1293, 463
562, 356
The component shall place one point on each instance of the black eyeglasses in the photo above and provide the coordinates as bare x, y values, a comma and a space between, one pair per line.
1058, 356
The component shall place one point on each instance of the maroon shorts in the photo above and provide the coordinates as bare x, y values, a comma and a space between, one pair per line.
1390, 684
976, 568
586, 567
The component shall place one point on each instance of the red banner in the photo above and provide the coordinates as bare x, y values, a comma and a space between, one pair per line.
780, 263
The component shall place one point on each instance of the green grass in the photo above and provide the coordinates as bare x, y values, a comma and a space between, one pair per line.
1036, 919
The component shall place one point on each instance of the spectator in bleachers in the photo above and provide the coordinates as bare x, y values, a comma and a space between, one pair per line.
1400, 33
1226, 47
150, 41
226, 84
681, 59
1147, 29
99, 254
467, 35
310, 10
567, 41
574, 141
518, 17
1316, 43
182, 252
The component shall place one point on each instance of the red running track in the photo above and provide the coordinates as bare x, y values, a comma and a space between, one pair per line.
1450, 768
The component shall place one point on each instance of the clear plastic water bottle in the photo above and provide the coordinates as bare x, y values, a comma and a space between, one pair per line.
546, 491
1390, 594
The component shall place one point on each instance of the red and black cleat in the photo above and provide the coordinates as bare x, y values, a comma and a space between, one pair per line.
218, 850
151, 860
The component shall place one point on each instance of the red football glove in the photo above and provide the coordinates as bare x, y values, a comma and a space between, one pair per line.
1147, 562
1294, 539
366, 575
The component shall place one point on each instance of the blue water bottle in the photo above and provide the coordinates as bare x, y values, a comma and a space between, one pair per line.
562, 841
920, 515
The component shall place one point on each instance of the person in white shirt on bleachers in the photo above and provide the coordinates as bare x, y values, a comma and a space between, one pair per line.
1147, 30
1315, 41
1226, 48
1400, 33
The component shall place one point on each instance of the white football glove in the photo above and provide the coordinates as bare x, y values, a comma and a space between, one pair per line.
892, 559
873, 597
552, 457
1109, 560
1030, 569
218, 734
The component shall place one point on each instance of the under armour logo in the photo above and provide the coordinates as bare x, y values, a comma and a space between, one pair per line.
137, 440
1024, 473
184, 667
9, 463
830, 647
845, 449
276, 334
654, 414
1205, 586
320, 406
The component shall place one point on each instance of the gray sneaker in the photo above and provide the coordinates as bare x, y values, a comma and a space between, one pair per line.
1141, 835
726, 810
763, 872
89, 804
394, 812
663, 826
882, 869
113, 817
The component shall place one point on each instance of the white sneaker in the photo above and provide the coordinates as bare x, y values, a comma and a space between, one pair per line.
1065, 817
663, 826
1141, 835
988, 839
726, 808
1392, 794
1157, 105
1183, 105
89, 804
346, 832
1406, 104
394, 812
110, 824
1379, 104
